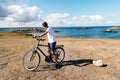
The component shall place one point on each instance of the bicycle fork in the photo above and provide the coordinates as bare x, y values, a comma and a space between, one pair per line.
33, 54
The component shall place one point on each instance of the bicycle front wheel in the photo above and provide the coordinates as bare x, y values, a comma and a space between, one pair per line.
60, 53
31, 60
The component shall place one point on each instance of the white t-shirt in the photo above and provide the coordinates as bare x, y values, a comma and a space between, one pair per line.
51, 35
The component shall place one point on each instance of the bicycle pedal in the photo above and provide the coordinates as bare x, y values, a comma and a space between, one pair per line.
58, 66
48, 59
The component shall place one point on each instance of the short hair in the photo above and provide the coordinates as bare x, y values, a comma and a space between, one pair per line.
45, 24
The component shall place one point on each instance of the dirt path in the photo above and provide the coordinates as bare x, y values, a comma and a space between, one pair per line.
76, 66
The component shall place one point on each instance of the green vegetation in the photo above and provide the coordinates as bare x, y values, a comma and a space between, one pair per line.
2, 33
11, 34
117, 27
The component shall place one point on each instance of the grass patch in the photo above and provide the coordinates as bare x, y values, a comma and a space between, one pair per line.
3, 34
12, 34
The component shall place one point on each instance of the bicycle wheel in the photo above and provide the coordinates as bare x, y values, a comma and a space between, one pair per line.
31, 60
60, 53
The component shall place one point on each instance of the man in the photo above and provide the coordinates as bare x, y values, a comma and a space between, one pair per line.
51, 39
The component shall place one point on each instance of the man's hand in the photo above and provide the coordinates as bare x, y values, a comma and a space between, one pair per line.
36, 37
43, 39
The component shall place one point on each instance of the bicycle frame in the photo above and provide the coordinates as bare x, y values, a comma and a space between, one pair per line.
38, 44
37, 47
41, 51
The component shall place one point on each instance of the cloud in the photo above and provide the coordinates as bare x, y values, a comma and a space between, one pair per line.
64, 19
16, 12
23, 13
4, 11
61, 19
57, 19
88, 20
19, 13
10, 2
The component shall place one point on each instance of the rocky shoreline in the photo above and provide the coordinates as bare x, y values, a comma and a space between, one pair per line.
114, 29
28, 32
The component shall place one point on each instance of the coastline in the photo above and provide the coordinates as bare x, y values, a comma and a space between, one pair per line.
71, 32
15, 34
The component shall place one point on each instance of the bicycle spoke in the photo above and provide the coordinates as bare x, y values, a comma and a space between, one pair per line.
60, 54
32, 57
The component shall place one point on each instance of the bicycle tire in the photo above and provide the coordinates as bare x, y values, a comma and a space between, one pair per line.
32, 57
60, 53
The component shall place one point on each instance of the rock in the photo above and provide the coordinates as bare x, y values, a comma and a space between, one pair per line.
56, 31
98, 63
110, 30
28, 30
84, 28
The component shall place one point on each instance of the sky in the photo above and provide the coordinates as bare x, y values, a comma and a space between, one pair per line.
59, 13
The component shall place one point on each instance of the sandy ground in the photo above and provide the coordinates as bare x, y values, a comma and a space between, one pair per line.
76, 66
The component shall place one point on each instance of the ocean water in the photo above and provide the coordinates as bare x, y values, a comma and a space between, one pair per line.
91, 32
77, 32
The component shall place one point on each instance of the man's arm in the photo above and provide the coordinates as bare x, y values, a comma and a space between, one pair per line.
43, 34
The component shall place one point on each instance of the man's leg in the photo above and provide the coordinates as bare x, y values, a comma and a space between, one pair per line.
49, 48
49, 52
55, 57
53, 46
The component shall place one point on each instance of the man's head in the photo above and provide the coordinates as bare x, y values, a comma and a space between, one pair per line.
45, 24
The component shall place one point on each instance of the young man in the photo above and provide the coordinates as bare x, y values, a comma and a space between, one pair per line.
51, 39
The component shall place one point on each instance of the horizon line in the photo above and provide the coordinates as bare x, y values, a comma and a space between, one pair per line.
58, 26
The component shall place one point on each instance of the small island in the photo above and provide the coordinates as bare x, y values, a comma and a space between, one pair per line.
84, 28
109, 30
117, 27
28, 32
114, 29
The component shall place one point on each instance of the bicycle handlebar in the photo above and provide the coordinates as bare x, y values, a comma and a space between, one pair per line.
38, 38
42, 39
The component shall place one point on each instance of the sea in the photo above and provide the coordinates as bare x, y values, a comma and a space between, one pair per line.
76, 32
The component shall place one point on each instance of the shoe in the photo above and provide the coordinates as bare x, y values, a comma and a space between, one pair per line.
50, 56
57, 65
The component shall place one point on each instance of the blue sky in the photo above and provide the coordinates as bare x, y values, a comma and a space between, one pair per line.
78, 7
59, 12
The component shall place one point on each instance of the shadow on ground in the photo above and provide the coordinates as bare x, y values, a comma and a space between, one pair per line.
79, 63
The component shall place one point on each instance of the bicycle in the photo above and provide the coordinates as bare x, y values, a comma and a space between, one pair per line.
31, 59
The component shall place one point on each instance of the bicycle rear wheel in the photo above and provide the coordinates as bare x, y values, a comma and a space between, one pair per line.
60, 53
31, 60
